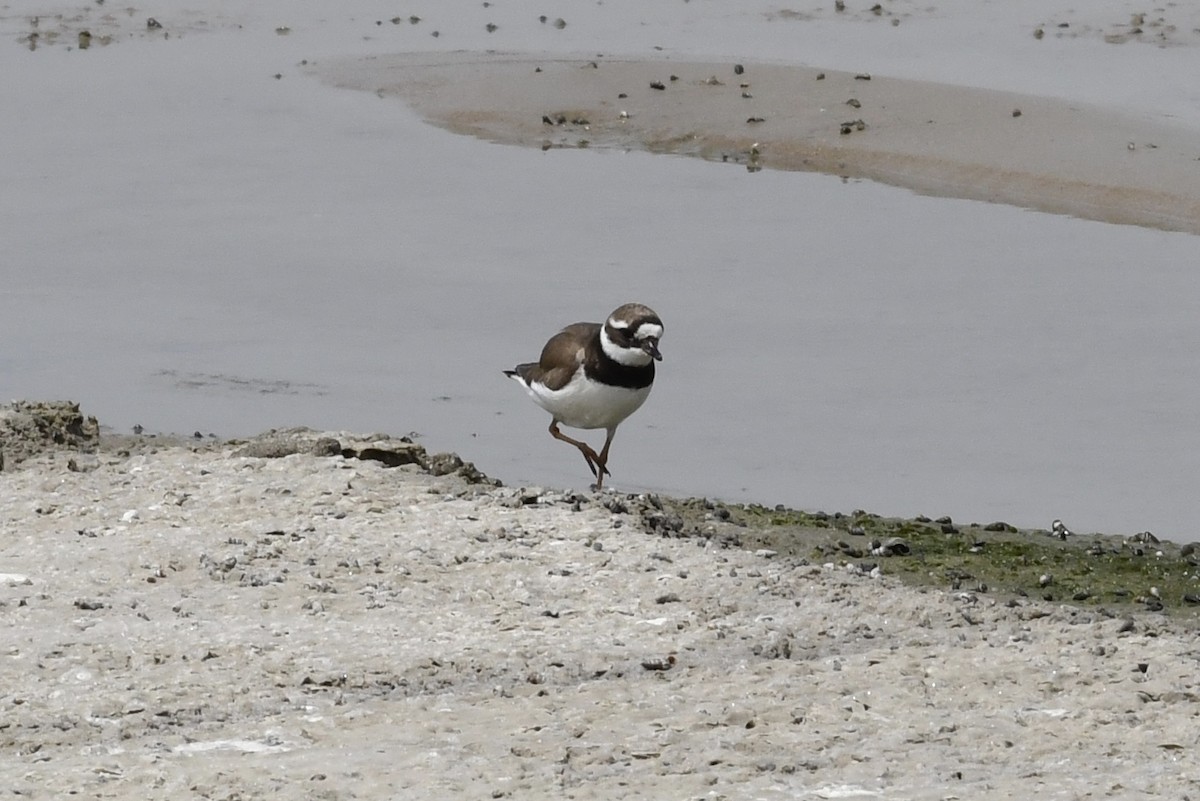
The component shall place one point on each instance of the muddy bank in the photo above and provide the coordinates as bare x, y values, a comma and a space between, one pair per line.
933, 138
277, 617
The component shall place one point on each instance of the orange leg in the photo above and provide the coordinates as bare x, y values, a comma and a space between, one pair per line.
602, 460
595, 463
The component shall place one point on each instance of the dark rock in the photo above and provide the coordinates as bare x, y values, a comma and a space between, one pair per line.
325, 446
658, 522
616, 505
443, 464
391, 457
276, 444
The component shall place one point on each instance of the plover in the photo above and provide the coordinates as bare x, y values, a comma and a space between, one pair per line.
594, 376
1059, 530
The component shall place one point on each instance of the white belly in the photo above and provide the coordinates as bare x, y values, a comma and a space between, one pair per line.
587, 404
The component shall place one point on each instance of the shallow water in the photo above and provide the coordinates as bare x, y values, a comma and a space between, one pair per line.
192, 244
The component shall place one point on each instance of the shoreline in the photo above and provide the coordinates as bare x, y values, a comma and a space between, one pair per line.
933, 139
1126, 573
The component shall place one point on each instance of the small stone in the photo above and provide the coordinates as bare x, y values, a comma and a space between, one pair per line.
659, 664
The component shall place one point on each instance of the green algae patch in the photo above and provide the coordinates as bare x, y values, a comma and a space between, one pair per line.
997, 558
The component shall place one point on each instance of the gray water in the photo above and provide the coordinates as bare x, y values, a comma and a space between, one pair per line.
191, 244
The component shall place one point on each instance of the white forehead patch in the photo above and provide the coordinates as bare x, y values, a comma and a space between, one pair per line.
648, 331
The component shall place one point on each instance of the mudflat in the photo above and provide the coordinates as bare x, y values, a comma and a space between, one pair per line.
939, 139
327, 615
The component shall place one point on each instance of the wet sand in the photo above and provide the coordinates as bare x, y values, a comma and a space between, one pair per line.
227, 620
936, 139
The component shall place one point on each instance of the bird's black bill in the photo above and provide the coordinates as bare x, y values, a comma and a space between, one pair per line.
651, 347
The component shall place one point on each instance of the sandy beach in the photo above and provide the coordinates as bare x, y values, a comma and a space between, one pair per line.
291, 617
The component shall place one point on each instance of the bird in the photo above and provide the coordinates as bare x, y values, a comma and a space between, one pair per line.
593, 375
1059, 530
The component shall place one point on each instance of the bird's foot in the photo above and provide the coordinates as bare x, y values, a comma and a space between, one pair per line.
600, 474
598, 467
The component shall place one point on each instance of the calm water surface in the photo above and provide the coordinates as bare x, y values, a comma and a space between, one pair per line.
190, 249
